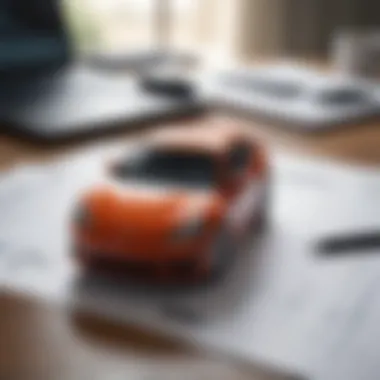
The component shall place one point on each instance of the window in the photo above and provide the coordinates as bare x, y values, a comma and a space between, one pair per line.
203, 27
185, 24
110, 25
240, 157
167, 167
117, 25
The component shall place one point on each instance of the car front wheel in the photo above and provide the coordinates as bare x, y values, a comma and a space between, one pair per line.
221, 255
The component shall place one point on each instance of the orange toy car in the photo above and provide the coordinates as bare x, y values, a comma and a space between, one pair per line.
177, 207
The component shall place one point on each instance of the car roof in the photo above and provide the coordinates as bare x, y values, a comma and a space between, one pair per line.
215, 139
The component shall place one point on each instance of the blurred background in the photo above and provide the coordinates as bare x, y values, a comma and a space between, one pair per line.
243, 29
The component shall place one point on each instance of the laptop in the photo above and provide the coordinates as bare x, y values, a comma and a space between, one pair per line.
46, 94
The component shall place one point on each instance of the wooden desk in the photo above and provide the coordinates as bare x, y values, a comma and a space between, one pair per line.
358, 144
40, 342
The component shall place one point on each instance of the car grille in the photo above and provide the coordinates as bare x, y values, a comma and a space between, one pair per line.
143, 269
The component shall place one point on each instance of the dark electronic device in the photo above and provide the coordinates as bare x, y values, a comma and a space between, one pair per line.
342, 244
167, 84
47, 96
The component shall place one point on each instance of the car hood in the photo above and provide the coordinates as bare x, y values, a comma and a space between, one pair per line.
146, 208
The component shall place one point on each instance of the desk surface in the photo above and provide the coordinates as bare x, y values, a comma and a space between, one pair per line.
38, 341
357, 144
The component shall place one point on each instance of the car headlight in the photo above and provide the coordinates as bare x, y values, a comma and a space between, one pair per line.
189, 230
82, 216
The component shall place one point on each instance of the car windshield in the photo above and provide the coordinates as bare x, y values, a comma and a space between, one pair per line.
167, 167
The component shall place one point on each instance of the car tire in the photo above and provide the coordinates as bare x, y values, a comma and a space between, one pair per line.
260, 219
222, 255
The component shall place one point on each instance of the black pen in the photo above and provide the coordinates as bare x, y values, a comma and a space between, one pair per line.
366, 240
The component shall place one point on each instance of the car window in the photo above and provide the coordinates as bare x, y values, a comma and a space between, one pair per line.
168, 167
239, 157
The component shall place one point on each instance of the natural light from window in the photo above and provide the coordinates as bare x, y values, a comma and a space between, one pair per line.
119, 25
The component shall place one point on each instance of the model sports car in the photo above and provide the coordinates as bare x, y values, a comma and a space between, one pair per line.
179, 206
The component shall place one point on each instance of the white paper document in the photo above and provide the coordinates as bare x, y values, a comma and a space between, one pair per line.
281, 302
